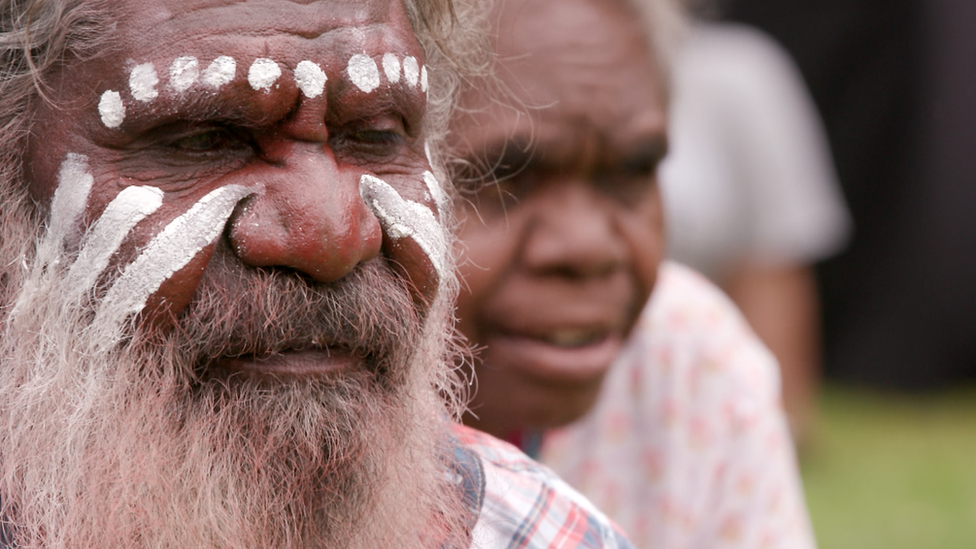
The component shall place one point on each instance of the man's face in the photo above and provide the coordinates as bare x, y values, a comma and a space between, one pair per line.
232, 332
290, 135
559, 257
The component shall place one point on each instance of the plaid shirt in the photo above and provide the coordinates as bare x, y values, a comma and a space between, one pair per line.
524, 505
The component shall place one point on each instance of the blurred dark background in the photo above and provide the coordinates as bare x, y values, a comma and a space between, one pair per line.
895, 81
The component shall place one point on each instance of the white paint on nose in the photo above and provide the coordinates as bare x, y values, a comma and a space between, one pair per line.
143, 81
220, 71
310, 79
128, 208
168, 252
402, 218
183, 73
391, 67
263, 74
363, 72
111, 109
411, 71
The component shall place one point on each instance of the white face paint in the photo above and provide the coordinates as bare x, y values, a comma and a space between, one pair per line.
436, 191
391, 67
143, 81
310, 79
221, 71
411, 71
363, 72
263, 74
423, 79
183, 73
405, 218
111, 109
131, 206
168, 252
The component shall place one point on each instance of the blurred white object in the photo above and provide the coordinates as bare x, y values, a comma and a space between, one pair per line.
749, 177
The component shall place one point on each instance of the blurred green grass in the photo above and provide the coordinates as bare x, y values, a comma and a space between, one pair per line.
893, 471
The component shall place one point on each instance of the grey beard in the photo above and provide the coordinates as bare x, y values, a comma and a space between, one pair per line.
146, 446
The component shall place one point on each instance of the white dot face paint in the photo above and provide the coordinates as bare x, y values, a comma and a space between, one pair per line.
128, 208
168, 252
411, 71
221, 70
391, 67
111, 109
423, 79
183, 73
363, 72
263, 74
143, 81
310, 79
405, 218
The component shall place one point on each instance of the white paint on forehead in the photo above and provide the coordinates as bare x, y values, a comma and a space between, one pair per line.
143, 81
184, 72
111, 109
436, 191
128, 208
168, 252
310, 79
411, 71
263, 74
220, 71
391, 67
405, 218
423, 79
363, 72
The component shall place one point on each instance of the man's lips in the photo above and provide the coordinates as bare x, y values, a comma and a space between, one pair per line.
304, 363
563, 355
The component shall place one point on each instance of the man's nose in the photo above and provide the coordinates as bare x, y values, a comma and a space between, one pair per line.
573, 233
308, 216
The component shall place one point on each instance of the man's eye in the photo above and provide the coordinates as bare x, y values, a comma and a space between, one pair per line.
207, 141
377, 137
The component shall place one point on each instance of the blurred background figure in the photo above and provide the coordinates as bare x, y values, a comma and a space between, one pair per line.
667, 415
896, 84
750, 193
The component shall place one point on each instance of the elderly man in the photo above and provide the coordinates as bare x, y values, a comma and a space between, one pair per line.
226, 286
666, 415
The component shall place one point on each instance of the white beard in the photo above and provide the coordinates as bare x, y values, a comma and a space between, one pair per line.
141, 446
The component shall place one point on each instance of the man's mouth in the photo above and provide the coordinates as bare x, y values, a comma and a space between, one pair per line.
309, 362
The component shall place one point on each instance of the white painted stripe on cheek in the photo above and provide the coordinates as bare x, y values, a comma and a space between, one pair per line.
143, 81
131, 206
168, 252
405, 218
111, 109
391, 67
310, 79
436, 191
411, 71
221, 71
263, 74
68, 203
183, 73
363, 72
423, 79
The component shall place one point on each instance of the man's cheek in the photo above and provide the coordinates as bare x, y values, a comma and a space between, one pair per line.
166, 270
414, 236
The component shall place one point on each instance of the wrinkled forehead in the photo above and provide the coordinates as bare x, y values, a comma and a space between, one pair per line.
286, 29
